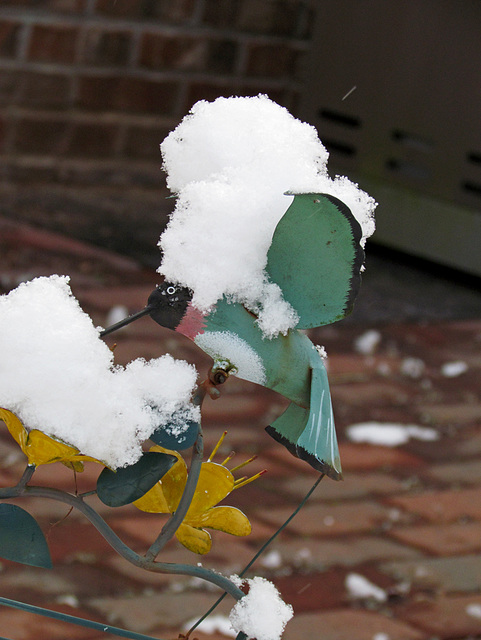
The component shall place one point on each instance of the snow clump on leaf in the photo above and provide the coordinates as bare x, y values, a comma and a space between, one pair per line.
58, 376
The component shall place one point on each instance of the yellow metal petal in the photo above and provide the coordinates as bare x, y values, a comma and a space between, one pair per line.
173, 482
77, 462
228, 519
196, 540
42, 449
16, 428
75, 465
215, 483
153, 501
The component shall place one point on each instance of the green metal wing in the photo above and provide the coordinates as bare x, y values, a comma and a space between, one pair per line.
316, 259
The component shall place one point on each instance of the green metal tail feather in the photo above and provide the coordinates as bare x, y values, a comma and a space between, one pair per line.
310, 434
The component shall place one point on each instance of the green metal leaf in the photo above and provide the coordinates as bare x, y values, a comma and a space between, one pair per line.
21, 539
170, 439
316, 259
117, 488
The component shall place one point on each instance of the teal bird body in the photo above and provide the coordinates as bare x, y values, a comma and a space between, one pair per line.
316, 259
289, 364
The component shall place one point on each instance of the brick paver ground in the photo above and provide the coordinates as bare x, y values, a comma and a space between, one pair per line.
406, 518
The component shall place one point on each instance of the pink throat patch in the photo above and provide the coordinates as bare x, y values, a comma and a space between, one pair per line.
192, 323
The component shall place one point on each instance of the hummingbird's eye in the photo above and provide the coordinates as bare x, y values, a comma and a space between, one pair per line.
171, 290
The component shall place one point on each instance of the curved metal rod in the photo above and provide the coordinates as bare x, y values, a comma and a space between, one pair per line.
81, 622
171, 526
117, 544
169, 529
261, 550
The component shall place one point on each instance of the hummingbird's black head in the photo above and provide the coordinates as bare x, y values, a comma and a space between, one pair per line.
169, 303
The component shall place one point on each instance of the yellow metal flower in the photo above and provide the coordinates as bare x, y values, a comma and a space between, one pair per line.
214, 484
40, 448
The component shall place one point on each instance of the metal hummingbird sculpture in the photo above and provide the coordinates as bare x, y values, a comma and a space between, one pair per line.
316, 259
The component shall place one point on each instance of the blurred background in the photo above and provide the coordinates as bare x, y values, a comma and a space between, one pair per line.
89, 89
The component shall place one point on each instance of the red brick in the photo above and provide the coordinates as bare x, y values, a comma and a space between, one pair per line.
5, 126
222, 56
50, 43
45, 90
140, 527
221, 15
172, 52
280, 95
27, 626
235, 409
188, 53
32, 173
71, 539
127, 350
259, 16
62, 6
90, 140
208, 91
121, 8
106, 48
341, 624
126, 571
260, 531
330, 520
279, 18
460, 414
9, 32
369, 394
143, 613
442, 506
124, 93
40, 136
353, 486
465, 472
169, 12
272, 61
133, 296
240, 438
442, 540
8, 87
282, 456
314, 591
368, 456
447, 574
315, 554
172, 12
352, 367
143, 142
445, 617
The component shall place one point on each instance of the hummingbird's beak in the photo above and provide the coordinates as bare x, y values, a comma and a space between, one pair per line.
126, 321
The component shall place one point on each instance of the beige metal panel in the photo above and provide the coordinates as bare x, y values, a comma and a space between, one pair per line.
413, 121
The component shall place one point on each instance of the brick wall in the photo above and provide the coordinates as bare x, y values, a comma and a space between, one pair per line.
89, 88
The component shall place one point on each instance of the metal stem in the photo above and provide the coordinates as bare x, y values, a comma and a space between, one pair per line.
261, 550
117, 544
27, 476
169, 529
81, 622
